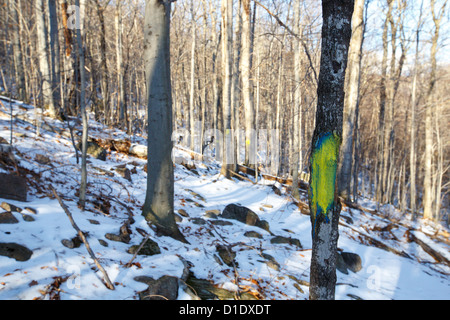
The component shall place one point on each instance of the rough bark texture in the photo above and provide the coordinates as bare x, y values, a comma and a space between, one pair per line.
158, 207
325, 210
44, 67
228, 164
247, 85
351, 101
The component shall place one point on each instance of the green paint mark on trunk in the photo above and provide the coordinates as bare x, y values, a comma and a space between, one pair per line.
324, 159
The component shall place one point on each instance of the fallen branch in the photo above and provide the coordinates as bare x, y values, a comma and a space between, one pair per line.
109, 284
433, 253
377, 243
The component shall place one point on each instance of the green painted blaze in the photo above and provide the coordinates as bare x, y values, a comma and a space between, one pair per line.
324, 159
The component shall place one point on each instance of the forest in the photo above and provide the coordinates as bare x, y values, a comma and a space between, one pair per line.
336, 104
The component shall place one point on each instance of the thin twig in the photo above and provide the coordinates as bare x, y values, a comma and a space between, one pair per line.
127, 265
109, 284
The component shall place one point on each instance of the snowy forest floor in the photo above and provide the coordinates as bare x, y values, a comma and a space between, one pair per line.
265, 264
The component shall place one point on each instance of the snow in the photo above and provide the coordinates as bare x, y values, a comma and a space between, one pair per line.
384, 275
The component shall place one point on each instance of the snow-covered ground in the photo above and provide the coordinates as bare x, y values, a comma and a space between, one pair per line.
269, 270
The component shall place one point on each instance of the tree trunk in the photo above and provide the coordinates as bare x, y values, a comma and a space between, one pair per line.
44, 67
84, 118
159, 203
229, 161
427, 185
380, 182
412, 154
247, 84
297, 118
351, 101
323, 202
120, 74
192, 82
103, 64
17, 50
54, 51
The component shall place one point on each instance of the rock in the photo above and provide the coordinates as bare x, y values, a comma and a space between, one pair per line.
10, 207
178, 218
71, 243
253, 234
271, 262
15, 251
221, 223
213, 214
116, 237
94, 150
263, 224
164, 288
31, 210
226, 254
199, 221
7, 218
183, 213
244, 215
150, 248
103, 242
40, 158
340, 264
124, 173
240, 213
27, 217
352, 261
13, 187
285, 240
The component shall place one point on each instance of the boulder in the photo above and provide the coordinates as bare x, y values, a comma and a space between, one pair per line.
244, 215
149, 248
94, 150
10, 207
348, 261
164, 288
7, 218
15, 251
13, 187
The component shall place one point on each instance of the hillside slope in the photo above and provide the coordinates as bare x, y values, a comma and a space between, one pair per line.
265, 258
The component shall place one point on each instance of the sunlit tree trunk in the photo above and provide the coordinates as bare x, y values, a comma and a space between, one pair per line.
322, 195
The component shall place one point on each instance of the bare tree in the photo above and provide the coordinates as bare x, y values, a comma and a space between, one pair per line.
229, 155
351, 100
159, 202
43, 55
323, 202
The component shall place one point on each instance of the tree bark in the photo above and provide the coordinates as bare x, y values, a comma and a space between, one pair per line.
322, 196
229, 161
83, 185
427, 184
351, 101
297, 117
247, 85
17, 50
44, 67
159, 201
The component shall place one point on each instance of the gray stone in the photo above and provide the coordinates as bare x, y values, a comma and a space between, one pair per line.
13, 187
10, 207
285, 240
124, 173
244, 215
149, 248
94, 150
15, 251
253, 234
7, 218
226, 254
352, 261
164, 288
